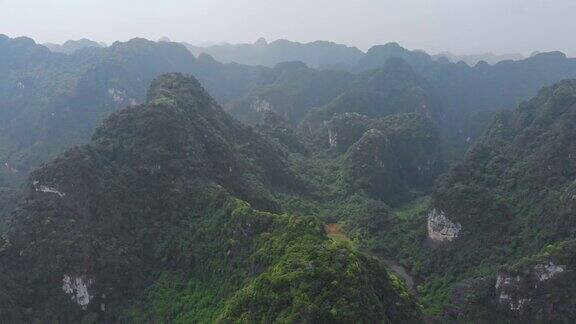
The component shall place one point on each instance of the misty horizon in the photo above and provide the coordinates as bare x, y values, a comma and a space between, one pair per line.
433, 26
208, 44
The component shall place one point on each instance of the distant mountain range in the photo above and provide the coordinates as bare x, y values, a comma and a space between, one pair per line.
72, 46
319, 54
473, 59
315, 54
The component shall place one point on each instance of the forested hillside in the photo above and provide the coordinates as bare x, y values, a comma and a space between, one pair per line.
509, 199
141, 183
50, 102
153, 221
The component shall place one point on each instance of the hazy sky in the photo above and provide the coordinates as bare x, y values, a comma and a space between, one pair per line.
461, 26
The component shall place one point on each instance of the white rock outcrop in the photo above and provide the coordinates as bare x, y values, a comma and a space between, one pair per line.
513, 290
11, 169
506, 280
332, 138
440, 228
547, 271
519, 304
117, 95
42, 188
78, 287
507, 288
261, 105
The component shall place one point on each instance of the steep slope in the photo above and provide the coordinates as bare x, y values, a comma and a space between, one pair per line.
51, 101
393, 89
143, 224
395, 159
510, 198
471, 95
539, 288
367, 165
514, 187
295, 90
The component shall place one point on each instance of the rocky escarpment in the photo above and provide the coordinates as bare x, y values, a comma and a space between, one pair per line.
440, 228
536, 289
345, 129
514, 289
80, 290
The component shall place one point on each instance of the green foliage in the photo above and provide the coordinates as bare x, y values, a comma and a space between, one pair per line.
417, 207
480, 301
161, 205
393, 89
395, 159
183, 215
342, 239
321, 283
174, 299
292, 92
306, 278
435, 294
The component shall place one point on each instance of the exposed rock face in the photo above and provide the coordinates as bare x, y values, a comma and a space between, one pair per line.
332, 138
508, 287
116, 95
345, 129
547, 271
514, 290
120, 97
497, 194
440, 228
78, 287
261, 105
537, 289
42, 188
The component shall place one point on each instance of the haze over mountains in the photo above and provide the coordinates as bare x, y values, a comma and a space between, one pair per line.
284, 182
315, 54
72, 46
474, 59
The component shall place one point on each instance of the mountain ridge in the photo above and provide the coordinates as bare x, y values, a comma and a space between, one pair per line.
176, 219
